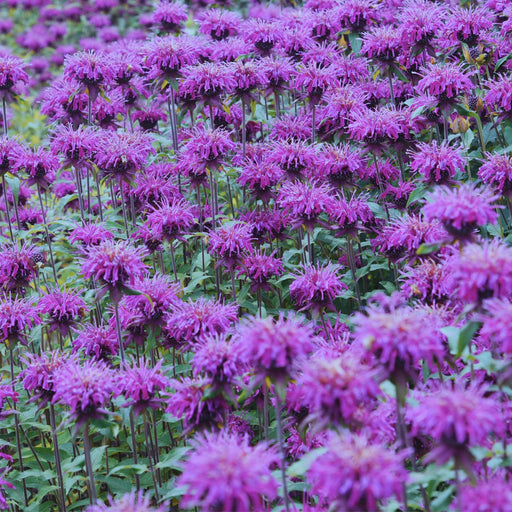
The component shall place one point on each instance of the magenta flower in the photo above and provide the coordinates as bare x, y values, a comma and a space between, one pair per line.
16, 317
493, 493
115, 265
98, 342
170, 220
304, 203
131, 502
467, 25
457, 418
12, 75
461, 210
426, 282
219, 359
445, 82
84, 388
64, 309
355, 15
437, 162
170, 15
230, 243
382, 43
294, 157
499, 96
340, 164
400, 338
195, 404
226, 472
193, 320
260, 268
260, 178
274, 346
263, 34
77, 145
19, 267
93, 233
480, 271
38, 375
496, 328
39, 165
219, 23
333, 388
355, 474
140, 382
496, 171
314, 80
316, 287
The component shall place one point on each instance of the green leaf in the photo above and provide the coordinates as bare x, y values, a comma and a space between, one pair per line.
300, 467
428, 248
417, 194
502, 61
174, 459
466, 335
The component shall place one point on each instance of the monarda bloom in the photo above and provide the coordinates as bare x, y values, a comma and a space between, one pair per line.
115, 265
77, 146
499, 96
121, 155
219, 23
304, 203
90, 233
480, 271
316, 287
445, 82
169, 15
461, 210
497, 325
140, 383
263, 34
356, 474
38, 374
39, 166
131, 502
91, 69
425, 281
334, 388
193, 320
225, 472
438, 163
84, 388
467, 25
493, 493
64, 309
12, 75
496, 171
401, 339
295, 158
219, 359
274, 346
17, 316
170, 220
259, 268
457, 418
96, 341
260, 178
19, 267
314, 80
230, 243
382, 43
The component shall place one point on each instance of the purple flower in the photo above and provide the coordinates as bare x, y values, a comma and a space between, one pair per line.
400, 338
355, 474
38, 375
140, 383
131, 502
195, 404
426, 282
12, 75
259, 268
84, 388
457, 418
114, 264
316, 287
260, 178
16, 316
39, 165
467, 25
461, 210
303, 203
294, 157
9, 149
219, 359
63, 308
77, 145
225, 472
382, 43
230, 243
437, 162
492, 494
263, 34
496, 171
170, 220
315, 79
121, 155
499, 96
170, 15
219, 23
99, 342
445, 82
93, 233
274, 346
19, 267
193, 320
480, 271
333, 388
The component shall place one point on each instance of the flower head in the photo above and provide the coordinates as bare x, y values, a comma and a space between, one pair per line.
12, 74
99, 342
130, 502
230, 243
19, 266
16, 316
226, 472
170, 15
356, 474
316, 287
496, 171
64, 308
259, 268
